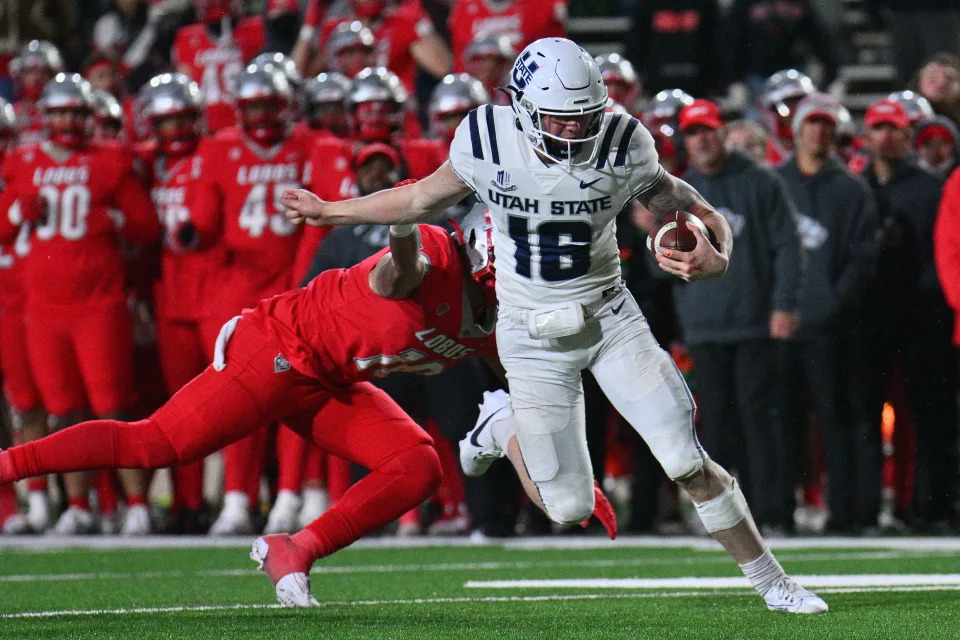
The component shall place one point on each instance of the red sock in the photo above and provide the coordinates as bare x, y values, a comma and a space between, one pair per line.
135, 500
80, 502
338, 477
188, 485
291, 453
8, 501
451, 493
314, 471
97, 444
384, 494
106, 491
37, 484
243, 464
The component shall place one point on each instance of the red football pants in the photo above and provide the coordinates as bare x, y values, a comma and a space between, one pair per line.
82, 358
359, 423
19, 387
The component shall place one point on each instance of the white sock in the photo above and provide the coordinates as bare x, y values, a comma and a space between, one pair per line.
763, 572
502, 430
235, 502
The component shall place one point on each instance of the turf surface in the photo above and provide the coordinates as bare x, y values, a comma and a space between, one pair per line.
421, 593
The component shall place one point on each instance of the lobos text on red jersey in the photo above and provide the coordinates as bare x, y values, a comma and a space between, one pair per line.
90, 196
214, 63
523, 21
338, 330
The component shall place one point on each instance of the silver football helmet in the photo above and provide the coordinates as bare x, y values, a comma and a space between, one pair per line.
106, 107
282, 62
917, 107
347, 35
662, 113
8, 118
376, 84
265, 82
67, 90
38, 54
326, 88
166, 95
783, 86
457, 93
621, 78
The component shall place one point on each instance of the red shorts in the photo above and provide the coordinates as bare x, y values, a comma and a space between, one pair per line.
359, 423
19, 386
83, 358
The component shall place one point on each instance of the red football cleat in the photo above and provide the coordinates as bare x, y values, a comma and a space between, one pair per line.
288, 566
603, 511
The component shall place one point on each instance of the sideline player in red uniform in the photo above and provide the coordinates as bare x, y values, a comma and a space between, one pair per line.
213, 51
243, 172
404, 34
172, 107
19, 389
80, 197
523, 21
33, 67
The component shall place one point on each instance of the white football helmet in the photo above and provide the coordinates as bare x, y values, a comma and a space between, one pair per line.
555, 76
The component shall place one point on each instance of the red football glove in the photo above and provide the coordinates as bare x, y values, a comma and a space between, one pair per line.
603, 511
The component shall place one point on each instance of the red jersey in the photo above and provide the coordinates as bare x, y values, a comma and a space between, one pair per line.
186, 278
214, 63
12, 255
338, 330
523, 21
238, 199
92, 197
30, 128
396, 30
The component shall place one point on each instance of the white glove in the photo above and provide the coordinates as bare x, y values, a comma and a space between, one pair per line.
220, 348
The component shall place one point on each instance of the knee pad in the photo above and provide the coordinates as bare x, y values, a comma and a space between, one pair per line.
724, 511
568, 498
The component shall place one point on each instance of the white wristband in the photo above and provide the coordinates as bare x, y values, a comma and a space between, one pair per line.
402, 230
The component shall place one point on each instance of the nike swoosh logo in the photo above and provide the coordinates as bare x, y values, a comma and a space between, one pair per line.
584, 185
617, 308
476, 432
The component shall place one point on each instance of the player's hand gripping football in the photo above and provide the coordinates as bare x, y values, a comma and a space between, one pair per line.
703, 262
305, 207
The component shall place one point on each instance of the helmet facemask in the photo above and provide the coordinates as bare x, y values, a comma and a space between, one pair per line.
571, 151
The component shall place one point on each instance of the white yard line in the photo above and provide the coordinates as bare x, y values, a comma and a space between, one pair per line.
459, 566
422, 601
814, 581
49, 543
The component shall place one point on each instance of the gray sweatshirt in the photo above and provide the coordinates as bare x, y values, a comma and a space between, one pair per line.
764, 273
838, 235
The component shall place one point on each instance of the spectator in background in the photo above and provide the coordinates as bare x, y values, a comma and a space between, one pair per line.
906, 320
129, 30
920, 29
522, 21
837, 224
935, 143
762, 36
749, 137
731, 324
939, 82
282, 25
674, 41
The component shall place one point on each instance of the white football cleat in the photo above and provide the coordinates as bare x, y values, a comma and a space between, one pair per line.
15, 525
283, 516
38, 511
288, 568
478, 449
108, 523
786, 595
232, 522
315, 503
137, 521
73, 522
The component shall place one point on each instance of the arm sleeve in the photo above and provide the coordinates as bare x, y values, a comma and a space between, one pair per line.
946, 241
141, 224
784, 246
462, 159
206, 202
861, 243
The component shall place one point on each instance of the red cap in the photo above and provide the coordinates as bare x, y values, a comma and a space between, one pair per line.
377, 148
276, 7
886, 112
702, 112
933, 131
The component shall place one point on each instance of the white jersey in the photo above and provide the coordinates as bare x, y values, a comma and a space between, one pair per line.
554, 226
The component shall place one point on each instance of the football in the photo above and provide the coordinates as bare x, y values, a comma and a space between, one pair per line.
671, 232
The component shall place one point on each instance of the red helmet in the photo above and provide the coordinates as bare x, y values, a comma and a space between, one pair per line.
68, 92
376, 105
168, 95
213, 10
474, 236
366, 8
259, 84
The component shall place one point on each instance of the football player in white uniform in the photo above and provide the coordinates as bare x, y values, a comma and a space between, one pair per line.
554, 170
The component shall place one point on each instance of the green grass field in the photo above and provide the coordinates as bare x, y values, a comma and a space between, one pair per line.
445, 592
